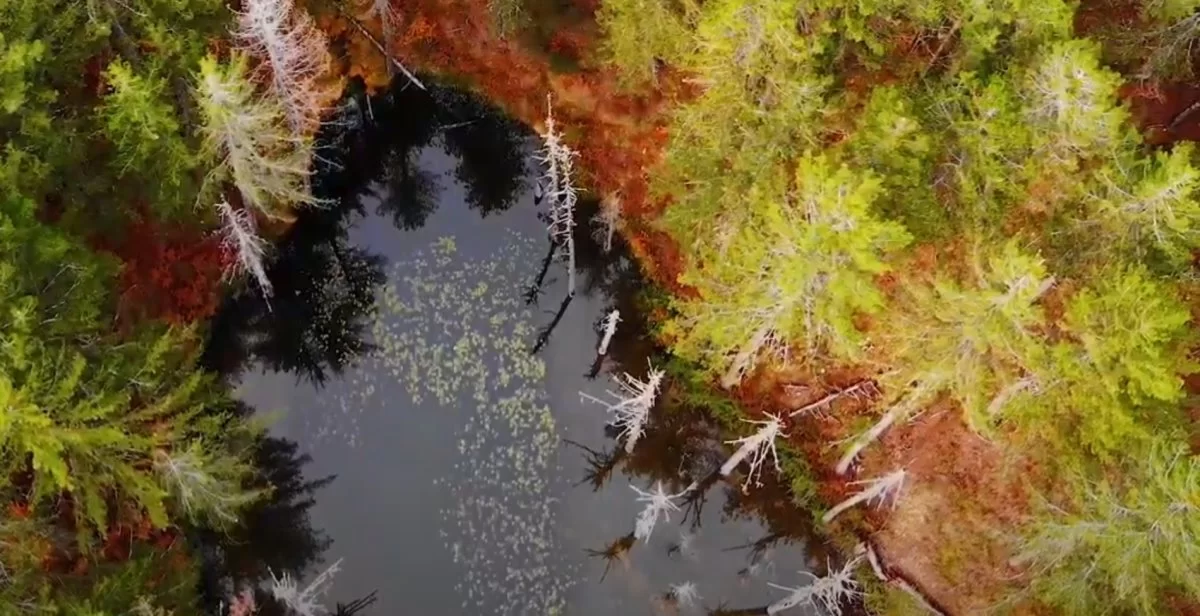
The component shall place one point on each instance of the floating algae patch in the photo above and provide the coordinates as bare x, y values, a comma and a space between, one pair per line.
456, 334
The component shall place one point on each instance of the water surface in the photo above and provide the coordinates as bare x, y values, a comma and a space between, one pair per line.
410, 353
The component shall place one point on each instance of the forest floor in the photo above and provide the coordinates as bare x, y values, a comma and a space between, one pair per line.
951, 535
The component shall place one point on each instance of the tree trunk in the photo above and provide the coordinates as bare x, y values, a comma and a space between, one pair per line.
869, 437
745, 357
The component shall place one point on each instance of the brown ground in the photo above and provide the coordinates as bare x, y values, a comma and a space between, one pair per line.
949, 535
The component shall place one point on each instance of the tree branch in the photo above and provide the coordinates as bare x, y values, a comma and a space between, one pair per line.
380, 46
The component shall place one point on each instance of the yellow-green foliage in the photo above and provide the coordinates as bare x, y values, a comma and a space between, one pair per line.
86, 413
139, 118
1111, 385
1050, 310
969, 339
759, 77
646, 32
248, 135
1124, 544
800, 267
893, 140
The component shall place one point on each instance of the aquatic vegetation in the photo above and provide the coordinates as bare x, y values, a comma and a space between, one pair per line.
455, 332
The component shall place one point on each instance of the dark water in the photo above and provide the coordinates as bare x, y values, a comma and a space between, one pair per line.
409, 354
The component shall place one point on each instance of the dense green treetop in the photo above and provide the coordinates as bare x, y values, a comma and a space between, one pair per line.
106, 131
1052, 246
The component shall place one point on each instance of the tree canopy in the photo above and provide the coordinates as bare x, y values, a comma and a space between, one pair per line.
989, 223
122, 125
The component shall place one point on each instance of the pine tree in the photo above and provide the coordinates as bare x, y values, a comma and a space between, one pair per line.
1122, 546
1071, 102
88, 413
1111, 384
1146, 206
640, 34
144, 127
248, 134
893, 140
971, 340
762, 78
802, 269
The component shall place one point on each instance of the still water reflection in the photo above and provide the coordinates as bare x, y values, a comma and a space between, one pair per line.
409, 357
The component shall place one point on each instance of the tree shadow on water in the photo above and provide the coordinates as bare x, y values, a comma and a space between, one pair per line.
314, 324
275, 534
489, 149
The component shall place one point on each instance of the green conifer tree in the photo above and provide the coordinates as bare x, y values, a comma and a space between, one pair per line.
800, 270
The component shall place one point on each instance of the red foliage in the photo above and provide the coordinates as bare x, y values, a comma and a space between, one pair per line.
172, 273
569, 43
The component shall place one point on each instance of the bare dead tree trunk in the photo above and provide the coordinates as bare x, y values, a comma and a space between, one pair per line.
741, 362
358, 25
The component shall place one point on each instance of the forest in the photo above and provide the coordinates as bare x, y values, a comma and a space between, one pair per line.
942, 253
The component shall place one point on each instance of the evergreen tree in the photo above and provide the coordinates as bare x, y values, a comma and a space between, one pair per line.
801, 270
88, 412
248, 134
1122, 545
1146, 206
1110, 386
970, 339
641, 34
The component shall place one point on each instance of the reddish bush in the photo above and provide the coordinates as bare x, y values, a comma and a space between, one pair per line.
169, 273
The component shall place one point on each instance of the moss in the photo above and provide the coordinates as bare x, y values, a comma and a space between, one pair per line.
884, 599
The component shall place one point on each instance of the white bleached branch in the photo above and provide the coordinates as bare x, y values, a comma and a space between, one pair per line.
606, 221
631, 407
858, 390
830, 591
304, 602
658, 503
685, 594
558, 179
198, 490
879, 489
756, 447
863, 440
610, 328
293, 54
387, 16
241, 239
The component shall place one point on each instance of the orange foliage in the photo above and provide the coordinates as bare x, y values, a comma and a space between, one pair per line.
169, 273
570, 43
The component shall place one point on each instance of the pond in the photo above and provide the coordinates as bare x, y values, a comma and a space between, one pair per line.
421, 366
